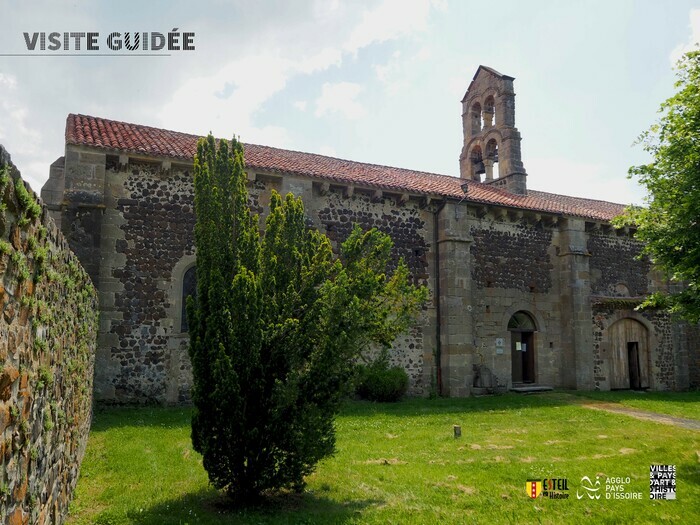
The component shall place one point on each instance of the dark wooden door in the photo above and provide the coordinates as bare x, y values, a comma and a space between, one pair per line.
523, 357
528, 345
633, 360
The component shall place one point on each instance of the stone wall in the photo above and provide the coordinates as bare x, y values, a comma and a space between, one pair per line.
143, 221
665, 355
131, 218
48, 330
500, 248
616, 270
689, 340
511, 267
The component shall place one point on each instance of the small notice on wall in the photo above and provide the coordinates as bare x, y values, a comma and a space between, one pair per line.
500, 343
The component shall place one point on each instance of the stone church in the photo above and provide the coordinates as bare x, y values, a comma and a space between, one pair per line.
528, 287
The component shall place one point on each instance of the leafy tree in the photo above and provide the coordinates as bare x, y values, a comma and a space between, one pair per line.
275, 328
670, 223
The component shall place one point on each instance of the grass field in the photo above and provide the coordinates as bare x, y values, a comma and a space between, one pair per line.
401, 464
678, 404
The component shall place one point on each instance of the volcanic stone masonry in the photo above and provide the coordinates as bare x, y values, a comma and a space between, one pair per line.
528, 287
48, 333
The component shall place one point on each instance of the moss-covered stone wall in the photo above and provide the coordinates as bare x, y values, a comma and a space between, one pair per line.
48, 332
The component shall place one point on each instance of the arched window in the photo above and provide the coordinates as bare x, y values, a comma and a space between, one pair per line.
189, 287
477, 163
489, 112
491, 160
476, 118
621, 290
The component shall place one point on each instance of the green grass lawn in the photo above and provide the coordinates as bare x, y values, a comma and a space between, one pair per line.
401, 464
678, 404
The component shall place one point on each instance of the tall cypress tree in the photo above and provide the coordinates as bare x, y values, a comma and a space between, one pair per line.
275, 328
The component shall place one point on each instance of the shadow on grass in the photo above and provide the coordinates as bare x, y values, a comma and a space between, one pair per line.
688, 472
209, 506
418, 407
107, 417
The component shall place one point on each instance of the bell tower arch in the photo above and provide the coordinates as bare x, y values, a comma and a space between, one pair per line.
488, 124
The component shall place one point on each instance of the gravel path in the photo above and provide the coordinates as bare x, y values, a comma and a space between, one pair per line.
690, 424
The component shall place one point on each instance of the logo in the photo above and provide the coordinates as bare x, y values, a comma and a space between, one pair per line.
552, 488
533, 488
590, 489
615, 488
662, 482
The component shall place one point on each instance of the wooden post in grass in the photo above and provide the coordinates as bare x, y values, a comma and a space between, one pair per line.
458, 431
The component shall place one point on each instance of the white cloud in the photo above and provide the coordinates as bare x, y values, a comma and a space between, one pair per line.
229, 98
8, 81
320, 61
391, 74
397, 74
340, 98
19, 135
329, 151
390, 20
569, 177
22, 141
226, 91
692, 42
199, 102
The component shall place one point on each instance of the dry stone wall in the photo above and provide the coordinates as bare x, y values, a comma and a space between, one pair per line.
48, 331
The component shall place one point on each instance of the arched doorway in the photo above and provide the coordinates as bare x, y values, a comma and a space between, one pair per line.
522, 336
629, 359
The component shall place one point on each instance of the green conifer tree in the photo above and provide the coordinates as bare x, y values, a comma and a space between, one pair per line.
276, 327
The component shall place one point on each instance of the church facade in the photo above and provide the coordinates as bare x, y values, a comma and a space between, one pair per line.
527, 287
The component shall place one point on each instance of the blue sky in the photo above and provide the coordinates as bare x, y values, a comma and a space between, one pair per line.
376, 81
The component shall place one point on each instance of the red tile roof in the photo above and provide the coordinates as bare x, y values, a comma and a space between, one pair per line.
112, 135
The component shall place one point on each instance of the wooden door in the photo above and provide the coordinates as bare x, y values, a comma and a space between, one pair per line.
528, 345
523, 357
522, 350
516, 357
629, 359
634, 365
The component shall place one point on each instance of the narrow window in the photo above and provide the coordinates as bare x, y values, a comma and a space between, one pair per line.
491, 161
477, 122
189, 287
489, 113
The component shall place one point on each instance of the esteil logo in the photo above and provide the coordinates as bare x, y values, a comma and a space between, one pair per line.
533, 488
590, 489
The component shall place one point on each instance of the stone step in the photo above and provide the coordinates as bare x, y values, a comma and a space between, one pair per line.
531, 389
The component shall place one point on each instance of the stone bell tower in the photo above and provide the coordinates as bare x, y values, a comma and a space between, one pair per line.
491, 140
